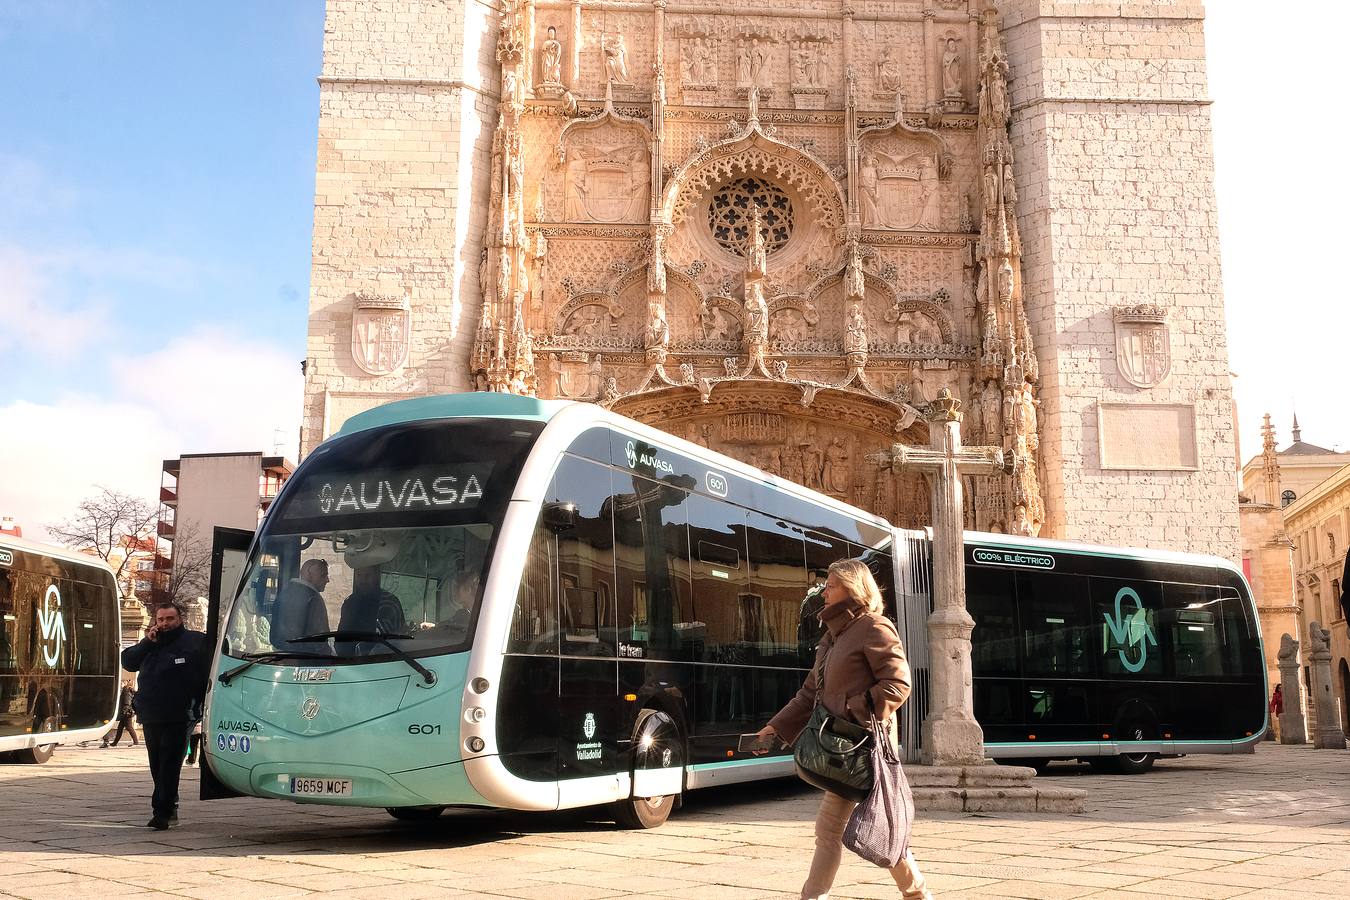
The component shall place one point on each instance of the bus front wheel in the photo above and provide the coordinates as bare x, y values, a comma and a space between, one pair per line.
642, 812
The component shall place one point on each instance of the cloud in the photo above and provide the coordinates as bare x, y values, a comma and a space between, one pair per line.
26, 188
212, 390
35, 305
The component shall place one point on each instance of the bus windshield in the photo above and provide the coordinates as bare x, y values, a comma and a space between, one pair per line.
380, 537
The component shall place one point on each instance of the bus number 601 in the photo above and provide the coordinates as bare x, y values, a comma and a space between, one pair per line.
424, 729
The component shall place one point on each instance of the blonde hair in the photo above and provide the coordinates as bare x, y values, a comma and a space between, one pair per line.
857, 579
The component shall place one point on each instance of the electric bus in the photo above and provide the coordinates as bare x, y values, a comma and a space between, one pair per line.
492, 600
60, 628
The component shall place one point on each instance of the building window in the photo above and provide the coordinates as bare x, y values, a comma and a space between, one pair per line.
1286, 498
732, 209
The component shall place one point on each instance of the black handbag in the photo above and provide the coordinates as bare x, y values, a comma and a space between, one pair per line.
834, 754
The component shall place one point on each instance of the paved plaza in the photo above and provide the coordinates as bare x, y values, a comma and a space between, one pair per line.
1275, 824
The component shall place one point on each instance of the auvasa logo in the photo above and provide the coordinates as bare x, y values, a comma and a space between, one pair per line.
52, 626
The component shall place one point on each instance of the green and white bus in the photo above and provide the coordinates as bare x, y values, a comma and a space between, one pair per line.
59, 632
491, 600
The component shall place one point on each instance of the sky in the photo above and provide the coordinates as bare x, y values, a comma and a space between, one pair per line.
156, 201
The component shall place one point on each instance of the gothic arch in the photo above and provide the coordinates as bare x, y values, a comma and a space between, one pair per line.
750, 152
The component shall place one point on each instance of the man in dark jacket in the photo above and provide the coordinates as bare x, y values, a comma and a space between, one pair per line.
173, 664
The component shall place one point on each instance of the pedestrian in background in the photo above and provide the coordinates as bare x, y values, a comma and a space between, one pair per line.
1276, 709
125, 717
865, 673
194, 742
173, 663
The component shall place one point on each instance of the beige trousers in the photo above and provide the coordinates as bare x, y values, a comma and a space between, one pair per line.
830, 822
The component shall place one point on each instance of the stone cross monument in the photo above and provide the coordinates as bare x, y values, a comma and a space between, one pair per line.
951, 736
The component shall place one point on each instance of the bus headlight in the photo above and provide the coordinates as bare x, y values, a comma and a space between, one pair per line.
475, 714
479, 685
475, 744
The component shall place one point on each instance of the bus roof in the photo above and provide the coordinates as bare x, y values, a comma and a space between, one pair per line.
1145, 553
479, 404
55, 551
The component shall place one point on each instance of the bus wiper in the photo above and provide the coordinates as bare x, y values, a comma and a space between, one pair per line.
387, 639
273, 656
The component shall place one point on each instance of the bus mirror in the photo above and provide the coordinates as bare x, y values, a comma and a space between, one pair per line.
560, 516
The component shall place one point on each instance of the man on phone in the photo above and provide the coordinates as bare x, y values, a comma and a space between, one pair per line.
173, 663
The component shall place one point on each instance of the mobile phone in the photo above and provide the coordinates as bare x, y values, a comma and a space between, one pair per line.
749, 743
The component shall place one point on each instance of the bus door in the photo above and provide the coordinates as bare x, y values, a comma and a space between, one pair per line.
913, 605
229, 554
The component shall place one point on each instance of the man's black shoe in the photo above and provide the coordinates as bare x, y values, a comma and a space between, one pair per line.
173, 817
159, 823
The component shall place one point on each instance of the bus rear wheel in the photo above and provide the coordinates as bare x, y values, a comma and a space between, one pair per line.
42, 752
642, 812
415, 813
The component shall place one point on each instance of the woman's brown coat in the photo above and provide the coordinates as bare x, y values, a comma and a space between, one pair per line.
863, 657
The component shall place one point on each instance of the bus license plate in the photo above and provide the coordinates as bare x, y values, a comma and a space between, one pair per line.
321, 787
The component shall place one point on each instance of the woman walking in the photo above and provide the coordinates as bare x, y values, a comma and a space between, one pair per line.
865, 674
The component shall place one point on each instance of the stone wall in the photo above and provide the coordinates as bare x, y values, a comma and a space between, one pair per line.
407, 102
1111, 127
1268, 560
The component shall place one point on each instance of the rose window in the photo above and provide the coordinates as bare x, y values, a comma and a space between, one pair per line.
732, 211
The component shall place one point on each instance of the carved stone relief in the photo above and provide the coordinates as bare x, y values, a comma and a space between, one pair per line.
674, 238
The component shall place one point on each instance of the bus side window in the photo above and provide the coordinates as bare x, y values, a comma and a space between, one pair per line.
1193, 630
996, 649
717, 547
586, 560
534, 626
1055, 626
651, 548
778, 582
9, 626
821, 550
1242, 656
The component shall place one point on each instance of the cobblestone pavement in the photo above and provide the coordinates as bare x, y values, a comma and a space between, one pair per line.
1275, 825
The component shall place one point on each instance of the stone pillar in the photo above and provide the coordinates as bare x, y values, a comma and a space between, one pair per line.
1292, 728
1327, 734
951, 736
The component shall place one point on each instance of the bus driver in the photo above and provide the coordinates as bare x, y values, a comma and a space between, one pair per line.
370, 608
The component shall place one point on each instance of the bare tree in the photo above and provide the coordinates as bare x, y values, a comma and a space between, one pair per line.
190, 573
104, 522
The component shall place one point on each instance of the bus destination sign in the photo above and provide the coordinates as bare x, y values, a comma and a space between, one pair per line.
1019, 558
445, 487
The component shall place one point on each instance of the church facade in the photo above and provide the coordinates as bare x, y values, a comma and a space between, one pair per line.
780, 228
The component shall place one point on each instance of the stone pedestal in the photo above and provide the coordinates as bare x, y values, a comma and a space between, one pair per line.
951, 736
1327, 734
1292, 728
988, 788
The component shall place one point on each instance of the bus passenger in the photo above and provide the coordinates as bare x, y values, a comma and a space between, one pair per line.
370, 608
864, 666
300, 609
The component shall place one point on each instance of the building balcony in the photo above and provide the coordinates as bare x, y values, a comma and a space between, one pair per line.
168, 496
165, 530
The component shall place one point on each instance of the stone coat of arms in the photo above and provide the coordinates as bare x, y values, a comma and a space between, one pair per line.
380, 329
1143, 344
